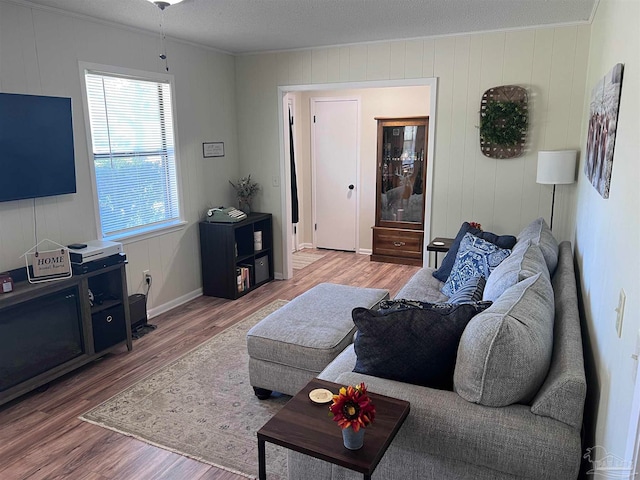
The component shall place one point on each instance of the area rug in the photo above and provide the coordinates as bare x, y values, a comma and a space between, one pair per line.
202, 406
302, 259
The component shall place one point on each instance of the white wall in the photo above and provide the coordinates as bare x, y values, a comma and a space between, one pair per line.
39, 54
607, 232
500, 194
374, 102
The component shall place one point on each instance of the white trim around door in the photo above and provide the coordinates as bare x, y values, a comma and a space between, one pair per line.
285, 170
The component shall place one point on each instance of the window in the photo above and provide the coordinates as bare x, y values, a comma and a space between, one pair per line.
133, 147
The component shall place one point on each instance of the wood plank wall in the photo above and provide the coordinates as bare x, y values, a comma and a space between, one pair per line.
501, 194
39, 55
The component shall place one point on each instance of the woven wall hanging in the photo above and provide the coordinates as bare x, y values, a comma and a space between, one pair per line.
503, 121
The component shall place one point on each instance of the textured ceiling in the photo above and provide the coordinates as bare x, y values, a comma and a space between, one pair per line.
242, 26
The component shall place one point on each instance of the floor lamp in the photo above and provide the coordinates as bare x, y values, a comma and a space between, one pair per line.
556, 167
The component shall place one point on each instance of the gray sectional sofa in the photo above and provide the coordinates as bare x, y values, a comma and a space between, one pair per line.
519, 382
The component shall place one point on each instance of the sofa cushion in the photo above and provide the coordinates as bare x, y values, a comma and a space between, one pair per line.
446, 437
525, 261
505, 351
470, 291
423, 286
539, 233
502, 241
412, 342
476, 258
311, 330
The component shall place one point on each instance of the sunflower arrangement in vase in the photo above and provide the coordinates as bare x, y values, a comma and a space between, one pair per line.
353, 410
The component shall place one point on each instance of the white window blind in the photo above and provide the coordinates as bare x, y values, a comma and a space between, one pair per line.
133, 153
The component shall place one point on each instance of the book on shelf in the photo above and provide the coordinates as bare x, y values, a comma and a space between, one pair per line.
243, 277
248, 274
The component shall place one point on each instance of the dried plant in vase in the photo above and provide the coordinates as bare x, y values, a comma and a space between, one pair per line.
245, 190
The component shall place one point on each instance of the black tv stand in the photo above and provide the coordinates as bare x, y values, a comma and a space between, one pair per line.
50, 329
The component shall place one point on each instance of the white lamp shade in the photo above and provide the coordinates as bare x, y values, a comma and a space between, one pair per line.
556, 167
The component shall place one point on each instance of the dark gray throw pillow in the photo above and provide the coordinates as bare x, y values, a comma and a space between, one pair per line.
413, 342
502, 241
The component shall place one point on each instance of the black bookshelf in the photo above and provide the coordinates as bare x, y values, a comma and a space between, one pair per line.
227, 247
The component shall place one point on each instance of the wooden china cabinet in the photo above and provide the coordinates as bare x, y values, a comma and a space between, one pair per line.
398, 234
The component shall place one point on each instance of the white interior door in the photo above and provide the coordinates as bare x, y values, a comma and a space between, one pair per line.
335, 143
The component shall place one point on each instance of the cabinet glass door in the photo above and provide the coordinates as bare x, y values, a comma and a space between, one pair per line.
402, 175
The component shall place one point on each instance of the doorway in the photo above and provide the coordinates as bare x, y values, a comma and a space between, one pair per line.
366, 193
334, 155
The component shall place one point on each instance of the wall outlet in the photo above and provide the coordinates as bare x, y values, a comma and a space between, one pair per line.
275, 180
145, 275
620, 312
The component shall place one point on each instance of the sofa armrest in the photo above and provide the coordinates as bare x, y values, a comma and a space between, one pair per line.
508, 439
563, 393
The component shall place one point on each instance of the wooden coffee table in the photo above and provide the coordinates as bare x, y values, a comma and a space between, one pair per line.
306, 427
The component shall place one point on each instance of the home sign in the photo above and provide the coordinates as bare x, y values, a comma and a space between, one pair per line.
51, 263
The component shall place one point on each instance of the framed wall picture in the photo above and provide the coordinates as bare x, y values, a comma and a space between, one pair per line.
213, 149
603, 123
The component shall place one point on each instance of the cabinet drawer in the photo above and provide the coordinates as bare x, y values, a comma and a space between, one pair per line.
397, 242
109, 327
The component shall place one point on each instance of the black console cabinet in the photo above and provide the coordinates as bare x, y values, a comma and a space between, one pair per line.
228, 248
49, 329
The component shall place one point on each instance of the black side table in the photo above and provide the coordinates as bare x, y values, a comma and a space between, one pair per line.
439, 244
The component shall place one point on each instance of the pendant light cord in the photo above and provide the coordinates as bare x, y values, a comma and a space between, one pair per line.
163, 55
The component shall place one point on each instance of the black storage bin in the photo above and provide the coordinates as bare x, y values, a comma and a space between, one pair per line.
109, 327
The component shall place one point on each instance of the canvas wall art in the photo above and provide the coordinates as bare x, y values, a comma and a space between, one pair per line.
603, 121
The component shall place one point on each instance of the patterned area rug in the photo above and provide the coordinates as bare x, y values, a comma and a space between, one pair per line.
303, 259
202, 406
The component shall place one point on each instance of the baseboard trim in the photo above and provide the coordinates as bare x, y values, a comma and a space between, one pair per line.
302, 246
165, 307
365, 251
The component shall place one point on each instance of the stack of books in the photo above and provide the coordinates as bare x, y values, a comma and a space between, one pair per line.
243, 277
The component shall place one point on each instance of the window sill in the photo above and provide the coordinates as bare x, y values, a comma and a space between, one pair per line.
146, 233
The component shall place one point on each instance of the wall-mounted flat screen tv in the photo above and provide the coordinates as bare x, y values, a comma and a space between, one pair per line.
36, 147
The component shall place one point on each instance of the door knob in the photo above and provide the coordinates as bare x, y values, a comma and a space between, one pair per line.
351, 187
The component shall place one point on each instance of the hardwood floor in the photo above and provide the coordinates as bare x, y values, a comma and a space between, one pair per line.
42, 438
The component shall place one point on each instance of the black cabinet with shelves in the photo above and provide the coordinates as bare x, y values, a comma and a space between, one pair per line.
233, 261
50, 329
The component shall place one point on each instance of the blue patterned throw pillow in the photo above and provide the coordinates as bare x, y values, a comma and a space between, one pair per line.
476, 258
470, 291
503, 241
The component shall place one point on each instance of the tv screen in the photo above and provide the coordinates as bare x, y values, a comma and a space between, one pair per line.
36, 147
